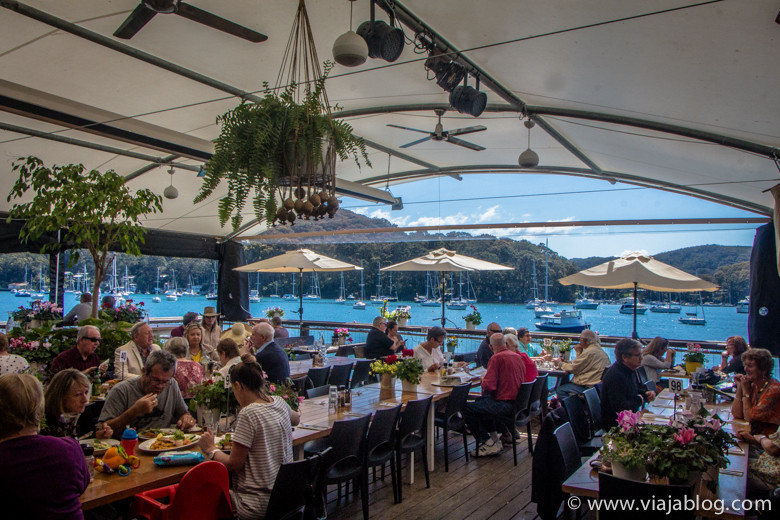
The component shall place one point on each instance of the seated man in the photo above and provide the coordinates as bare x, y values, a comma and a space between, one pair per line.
378, 343
513, 345
188, 318
81, 311
108, 302
619, 390
500, 385
136, 352
484, 353
148, 401
271, 356
586, 368
279, 331
82, 356
227, 350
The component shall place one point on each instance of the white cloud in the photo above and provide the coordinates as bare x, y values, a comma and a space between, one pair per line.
448, 220
488, 215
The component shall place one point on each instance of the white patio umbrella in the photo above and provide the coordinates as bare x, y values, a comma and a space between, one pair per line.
298, 261
444, 260
638, 269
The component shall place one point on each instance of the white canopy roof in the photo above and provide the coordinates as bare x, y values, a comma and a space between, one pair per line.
681, 96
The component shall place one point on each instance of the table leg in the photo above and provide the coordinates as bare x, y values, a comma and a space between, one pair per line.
298, 452
431, 435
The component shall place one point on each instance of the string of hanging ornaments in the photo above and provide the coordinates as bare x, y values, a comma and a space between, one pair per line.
282, 151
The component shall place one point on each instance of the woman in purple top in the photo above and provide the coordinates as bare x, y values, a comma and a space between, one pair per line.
40, 477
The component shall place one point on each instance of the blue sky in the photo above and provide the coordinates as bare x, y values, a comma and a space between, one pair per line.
502, 198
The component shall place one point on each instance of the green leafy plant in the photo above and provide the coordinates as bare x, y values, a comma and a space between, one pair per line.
262, 143
409, 369
127, 313
272, 311
287, 392
211, 394
89, 209
694, 354
474, 316
564, 346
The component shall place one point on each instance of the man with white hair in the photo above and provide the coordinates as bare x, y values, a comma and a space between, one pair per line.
378, 343
271, 356
586, 369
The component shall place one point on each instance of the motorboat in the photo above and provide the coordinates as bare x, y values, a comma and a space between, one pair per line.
667, 308
359, 306
459, 304
743, 305
628, 308
543, 310
563, 321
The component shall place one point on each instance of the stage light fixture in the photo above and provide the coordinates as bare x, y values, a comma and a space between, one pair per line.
468, 100
384, 41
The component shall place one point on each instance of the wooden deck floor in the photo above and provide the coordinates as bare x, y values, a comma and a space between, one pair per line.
487, 487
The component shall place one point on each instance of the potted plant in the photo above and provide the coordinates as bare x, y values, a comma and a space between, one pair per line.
473, 319
402, 317
44, 312
274, 311
694, 358
287, 392
564, 349
209, 399
342, 335
627, 446
409, 371
124, 315
284, 148
386, 370
452, 344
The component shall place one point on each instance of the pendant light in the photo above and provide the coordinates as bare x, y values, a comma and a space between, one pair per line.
529, 158
350, 49
171, 192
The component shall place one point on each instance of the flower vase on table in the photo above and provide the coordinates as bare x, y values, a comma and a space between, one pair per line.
691, 366
407, 386
386, 382
209, 418
342, 341
621, 471
402, 322
470, 325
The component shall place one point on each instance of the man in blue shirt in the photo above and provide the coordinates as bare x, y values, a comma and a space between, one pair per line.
619, 388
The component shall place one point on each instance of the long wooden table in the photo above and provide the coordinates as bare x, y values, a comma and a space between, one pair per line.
732, 481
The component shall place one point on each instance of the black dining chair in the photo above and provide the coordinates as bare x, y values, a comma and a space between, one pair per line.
317, 391
339, 375
612, 488
319, 376
381, 444
360, 373
581, 425
566, 444
537, 402
450, 419
294, 488
520, 417
347, 461
301, 384
412, 435
593, 401
641, 373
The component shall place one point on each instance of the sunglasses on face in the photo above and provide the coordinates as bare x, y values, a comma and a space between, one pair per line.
94, 340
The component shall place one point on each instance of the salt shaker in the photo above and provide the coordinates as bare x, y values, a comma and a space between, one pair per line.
333, 399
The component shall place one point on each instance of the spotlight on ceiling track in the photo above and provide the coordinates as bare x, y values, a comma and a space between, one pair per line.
384, 41
349, 49
448, 73
468, 100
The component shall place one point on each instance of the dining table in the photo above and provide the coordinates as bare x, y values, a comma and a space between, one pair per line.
301, 367
732, 481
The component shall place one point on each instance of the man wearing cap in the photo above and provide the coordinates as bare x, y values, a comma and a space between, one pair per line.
378, 343
211, 329
188, 318
484, 353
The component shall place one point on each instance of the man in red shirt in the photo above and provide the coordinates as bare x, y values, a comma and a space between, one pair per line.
82, 357
500, 385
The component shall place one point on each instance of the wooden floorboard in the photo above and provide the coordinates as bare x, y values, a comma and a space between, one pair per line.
483, 488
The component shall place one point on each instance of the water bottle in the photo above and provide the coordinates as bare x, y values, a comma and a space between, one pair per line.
333, 399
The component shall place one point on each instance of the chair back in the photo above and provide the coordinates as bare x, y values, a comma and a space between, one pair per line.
381, 433
348, 441
292, 489
522, 402
317, 391
360, 351
339, 375
535, 403
468, 357
567, 444
202, 494
301, 384
360, 373
319, 376
457, 399
614, 488
641, 373
578, 418
414, 420
650, 386
593, 400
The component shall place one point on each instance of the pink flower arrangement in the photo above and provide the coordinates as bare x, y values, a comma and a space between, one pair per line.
685, 435
628, 420
342, 333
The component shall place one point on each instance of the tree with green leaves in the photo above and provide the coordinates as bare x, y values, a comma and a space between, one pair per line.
93, 210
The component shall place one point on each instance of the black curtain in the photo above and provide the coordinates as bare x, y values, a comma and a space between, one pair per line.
764, 316
233, 300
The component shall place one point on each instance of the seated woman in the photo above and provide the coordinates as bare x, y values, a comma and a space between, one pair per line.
203, 354
40, 476
262, 441
758, 394
10, 363
653, 359
392, 333
429, 351
67, 395
764, 474
188, 373
735, 347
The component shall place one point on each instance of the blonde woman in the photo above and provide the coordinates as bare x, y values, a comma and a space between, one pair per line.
67, 395
40, 476
653, 359
198, 351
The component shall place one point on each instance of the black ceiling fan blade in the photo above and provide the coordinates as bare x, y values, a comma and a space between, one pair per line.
133, 23
199, 15
412, 129
407, 145
467, 130
464, 144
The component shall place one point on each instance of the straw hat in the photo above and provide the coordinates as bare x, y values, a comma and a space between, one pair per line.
208, 312
237, 333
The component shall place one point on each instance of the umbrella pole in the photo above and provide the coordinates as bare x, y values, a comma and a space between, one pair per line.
300, 298
634, 334
443, 285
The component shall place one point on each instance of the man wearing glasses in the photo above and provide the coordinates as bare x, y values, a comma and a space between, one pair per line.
82, 356
484, 352
149, 401
619, 389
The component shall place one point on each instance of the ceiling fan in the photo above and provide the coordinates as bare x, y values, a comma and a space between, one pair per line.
147, 9
440, 134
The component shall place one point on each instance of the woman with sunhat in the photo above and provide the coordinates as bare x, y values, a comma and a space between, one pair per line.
212, 330
238, 333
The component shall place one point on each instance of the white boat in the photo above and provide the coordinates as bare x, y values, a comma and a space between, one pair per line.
585, 302
457, 304
254, 297
628, 308
743, 305
563, 321
543, 310
289, 297
692, 318
172, 297
359, 306
314, 292
431, 303
276, 291
667, 308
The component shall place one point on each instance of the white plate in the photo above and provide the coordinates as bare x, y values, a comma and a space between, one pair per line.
100, 452
146, 445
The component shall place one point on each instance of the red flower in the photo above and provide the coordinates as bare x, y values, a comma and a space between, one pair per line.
129, 301
141, 303
407, 353
391, 359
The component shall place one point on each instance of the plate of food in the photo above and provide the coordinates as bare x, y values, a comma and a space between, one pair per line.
100, 445
162, 442
224, 443
152, 433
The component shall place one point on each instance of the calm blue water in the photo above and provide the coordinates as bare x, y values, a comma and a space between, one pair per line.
722, 322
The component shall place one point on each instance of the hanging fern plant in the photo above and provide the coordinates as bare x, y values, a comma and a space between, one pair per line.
281, 155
